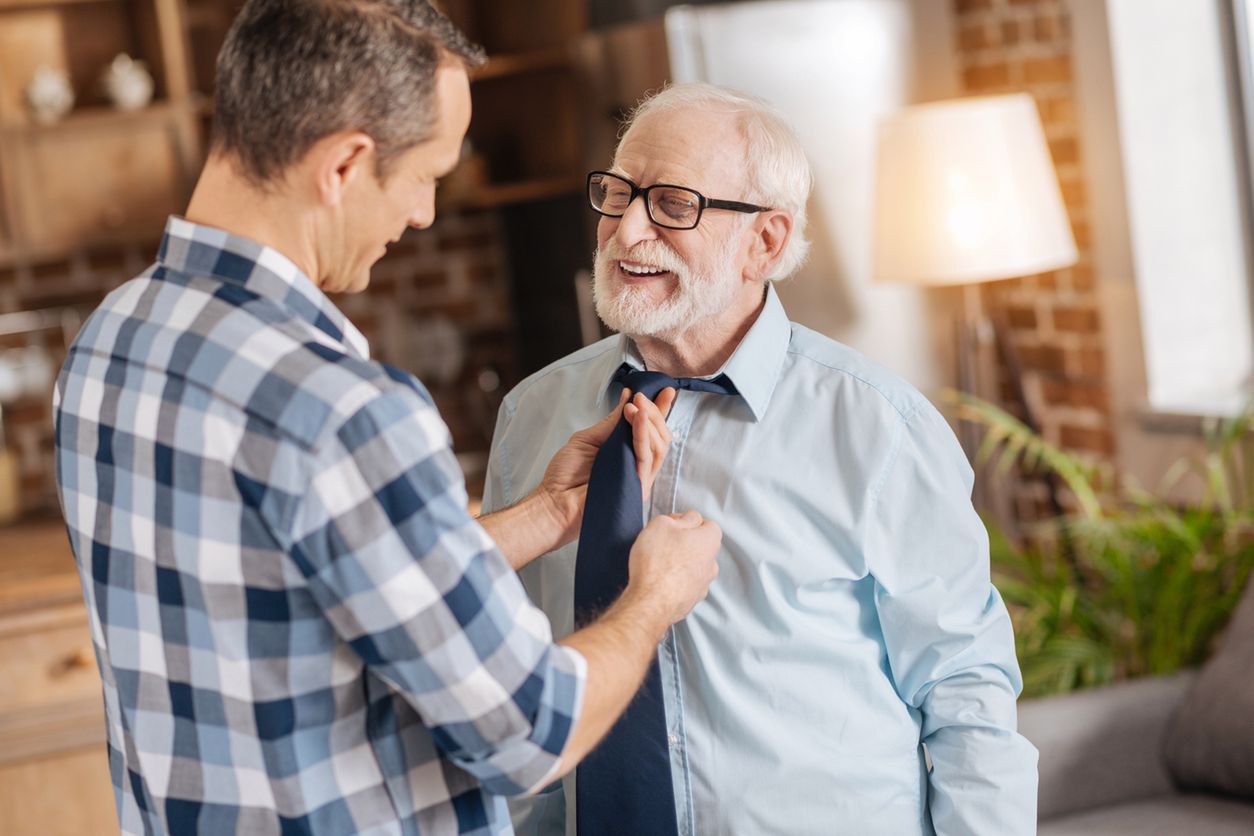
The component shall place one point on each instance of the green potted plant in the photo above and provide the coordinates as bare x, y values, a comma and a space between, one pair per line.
1127, 583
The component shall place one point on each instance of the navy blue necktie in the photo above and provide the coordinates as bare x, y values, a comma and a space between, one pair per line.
623, 788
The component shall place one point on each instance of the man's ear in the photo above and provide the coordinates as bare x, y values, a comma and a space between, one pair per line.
338, 161
770, 232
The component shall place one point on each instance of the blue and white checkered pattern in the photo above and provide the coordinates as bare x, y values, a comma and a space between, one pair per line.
299, 627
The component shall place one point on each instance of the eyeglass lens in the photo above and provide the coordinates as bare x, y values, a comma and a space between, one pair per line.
671, 206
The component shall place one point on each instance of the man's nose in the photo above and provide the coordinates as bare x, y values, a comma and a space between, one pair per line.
635, 225
423, 214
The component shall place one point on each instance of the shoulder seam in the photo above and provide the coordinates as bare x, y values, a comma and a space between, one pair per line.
904, 414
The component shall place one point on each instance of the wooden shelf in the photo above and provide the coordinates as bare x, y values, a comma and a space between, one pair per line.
504, 194
90, 118
16, 5
519, 63
100, 174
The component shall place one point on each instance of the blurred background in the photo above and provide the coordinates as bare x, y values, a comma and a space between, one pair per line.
1077, 298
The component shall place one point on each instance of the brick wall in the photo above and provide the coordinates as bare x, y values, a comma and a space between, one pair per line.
1025, 46
449, 281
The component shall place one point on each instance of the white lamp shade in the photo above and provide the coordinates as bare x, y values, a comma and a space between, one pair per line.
966, 192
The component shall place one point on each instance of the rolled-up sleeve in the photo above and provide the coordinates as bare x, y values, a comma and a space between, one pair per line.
417, 588
948, 636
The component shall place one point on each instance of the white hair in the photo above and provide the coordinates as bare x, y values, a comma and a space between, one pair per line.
778, 172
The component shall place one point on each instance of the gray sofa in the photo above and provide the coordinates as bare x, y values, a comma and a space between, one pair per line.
1102, 768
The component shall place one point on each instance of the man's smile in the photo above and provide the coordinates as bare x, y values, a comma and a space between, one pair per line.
635, 272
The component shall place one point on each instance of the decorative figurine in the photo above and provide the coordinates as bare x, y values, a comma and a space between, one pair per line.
49, 94
128, 83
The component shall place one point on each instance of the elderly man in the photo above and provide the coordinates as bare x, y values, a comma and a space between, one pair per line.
854, 630
299, 628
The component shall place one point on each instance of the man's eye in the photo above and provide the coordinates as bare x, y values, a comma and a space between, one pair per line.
677, 207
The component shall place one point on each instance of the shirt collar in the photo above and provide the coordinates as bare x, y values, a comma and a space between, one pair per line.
202, 250
754, 366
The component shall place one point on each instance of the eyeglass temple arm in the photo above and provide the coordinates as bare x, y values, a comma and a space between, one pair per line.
735, 205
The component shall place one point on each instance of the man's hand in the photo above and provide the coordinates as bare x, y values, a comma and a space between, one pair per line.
673, 563
671, 567
549, 517
565, 482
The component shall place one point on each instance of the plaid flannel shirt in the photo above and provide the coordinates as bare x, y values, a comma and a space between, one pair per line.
299, 627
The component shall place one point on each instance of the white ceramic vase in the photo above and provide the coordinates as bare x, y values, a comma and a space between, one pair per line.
128, 83
49, 94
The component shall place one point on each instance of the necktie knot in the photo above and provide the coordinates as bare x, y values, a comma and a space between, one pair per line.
650, 383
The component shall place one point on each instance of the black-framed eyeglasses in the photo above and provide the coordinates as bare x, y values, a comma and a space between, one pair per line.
670, 206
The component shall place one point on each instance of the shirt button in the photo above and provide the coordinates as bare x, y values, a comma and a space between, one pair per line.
673, 739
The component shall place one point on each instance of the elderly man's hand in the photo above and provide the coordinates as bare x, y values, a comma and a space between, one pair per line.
565, 482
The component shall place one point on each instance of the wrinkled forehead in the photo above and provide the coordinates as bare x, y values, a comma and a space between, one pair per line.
700, 148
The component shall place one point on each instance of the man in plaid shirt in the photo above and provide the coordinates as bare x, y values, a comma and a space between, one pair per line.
299, 627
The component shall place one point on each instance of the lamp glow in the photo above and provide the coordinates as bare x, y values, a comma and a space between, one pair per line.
966, 192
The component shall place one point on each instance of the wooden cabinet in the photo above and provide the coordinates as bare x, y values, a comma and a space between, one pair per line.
98, 174
108, 177
46, 663
54, 773
526, 131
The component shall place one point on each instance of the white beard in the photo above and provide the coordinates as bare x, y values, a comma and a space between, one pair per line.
697, 296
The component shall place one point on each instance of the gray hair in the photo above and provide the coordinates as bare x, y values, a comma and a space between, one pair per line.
294, 71
778, 172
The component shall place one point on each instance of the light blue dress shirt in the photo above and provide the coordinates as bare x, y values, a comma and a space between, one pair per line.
852, 621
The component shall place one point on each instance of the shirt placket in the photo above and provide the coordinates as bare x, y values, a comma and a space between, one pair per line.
664, 501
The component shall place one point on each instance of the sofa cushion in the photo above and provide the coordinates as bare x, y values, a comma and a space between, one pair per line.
1210, 739
1168, 815
1102, 746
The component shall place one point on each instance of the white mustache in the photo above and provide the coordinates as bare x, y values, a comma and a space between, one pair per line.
653, 253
